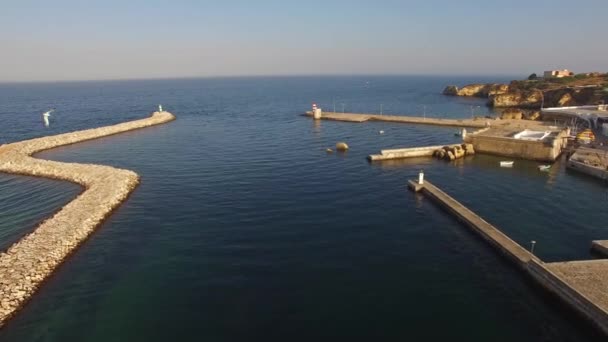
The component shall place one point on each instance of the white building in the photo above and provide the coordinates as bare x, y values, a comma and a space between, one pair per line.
558, 73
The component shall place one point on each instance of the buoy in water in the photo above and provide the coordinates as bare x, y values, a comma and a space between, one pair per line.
381, 132
329, 150
341, 146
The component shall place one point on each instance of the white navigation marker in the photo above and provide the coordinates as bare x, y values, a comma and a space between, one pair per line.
160, 108
45, 117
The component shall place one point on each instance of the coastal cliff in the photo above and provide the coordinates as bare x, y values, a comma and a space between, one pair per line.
582, 89
476, 90
535, 98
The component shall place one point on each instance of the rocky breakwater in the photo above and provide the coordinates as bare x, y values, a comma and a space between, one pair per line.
28, 262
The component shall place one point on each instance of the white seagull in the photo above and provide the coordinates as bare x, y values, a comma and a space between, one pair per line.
45, 117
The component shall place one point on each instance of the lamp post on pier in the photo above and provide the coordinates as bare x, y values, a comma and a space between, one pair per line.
423, 111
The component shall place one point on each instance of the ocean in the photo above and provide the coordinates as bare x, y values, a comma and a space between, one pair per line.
245, 229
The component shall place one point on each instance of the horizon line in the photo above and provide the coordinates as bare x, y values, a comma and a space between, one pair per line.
163, 78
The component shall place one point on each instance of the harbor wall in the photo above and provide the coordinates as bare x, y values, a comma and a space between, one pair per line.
548, 150
28, 262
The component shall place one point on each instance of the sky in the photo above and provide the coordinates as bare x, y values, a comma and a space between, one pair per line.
134, 39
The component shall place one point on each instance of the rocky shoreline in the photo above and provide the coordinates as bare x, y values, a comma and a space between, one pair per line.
28, 262
534, 94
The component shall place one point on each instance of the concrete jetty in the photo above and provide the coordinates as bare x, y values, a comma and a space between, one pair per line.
582, 285
28, 262
590, 161
511, 124
411, 152
354, 117
488, 232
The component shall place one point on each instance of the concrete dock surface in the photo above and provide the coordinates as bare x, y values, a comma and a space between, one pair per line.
590, 277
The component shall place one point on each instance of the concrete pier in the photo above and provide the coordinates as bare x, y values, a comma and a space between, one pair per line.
488, 232
353, 117
413, 152
426, 151
582, 285
511, 124
28, 262
590, 161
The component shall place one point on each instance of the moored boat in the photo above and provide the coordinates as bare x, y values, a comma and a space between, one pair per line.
544, 167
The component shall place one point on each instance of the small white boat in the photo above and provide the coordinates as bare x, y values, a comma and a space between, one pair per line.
544, 167
506, 163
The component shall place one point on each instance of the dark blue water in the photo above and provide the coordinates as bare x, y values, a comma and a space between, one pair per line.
244, 228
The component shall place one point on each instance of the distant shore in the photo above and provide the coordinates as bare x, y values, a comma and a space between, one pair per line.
536, 92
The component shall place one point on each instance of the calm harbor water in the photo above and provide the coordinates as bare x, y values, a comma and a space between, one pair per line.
244, 228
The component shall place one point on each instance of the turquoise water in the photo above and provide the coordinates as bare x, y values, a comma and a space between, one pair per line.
244, 228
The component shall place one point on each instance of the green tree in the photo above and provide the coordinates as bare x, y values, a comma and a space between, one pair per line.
532, 76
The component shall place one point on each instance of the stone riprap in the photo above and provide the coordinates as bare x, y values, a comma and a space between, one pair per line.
28, 262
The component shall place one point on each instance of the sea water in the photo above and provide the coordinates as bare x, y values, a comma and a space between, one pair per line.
245, 229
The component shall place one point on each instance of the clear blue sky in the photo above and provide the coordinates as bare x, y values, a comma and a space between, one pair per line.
57, 40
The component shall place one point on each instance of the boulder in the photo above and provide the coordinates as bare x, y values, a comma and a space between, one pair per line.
341, 146
450, 90
459, 153
469, 149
